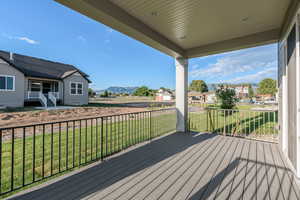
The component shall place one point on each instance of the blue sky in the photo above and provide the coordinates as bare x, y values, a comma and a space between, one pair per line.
49, 30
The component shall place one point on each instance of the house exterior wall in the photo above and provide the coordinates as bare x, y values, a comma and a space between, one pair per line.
26, 82
289, 93
12, 98
70, 99
61, 91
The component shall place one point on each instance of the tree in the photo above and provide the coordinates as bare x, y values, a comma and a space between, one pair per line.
165, 89
105, 94
251, 92
226, 97
267, 86
198, 86
142, 91
91, 92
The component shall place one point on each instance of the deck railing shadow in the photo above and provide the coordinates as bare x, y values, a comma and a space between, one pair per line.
213, 186
114, 169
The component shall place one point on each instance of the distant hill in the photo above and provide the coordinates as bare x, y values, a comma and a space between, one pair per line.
213, 86
119, 90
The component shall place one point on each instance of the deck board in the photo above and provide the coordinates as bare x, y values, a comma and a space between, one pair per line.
289, 185
249, 189
237, 188
181, 166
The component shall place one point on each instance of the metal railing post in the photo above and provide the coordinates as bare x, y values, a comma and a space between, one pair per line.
150, 125
101, 136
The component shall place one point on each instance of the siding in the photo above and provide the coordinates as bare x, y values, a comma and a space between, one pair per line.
61, 90
12, 98
75, 99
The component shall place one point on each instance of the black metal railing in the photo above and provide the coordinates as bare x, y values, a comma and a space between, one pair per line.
35, 152
257, 124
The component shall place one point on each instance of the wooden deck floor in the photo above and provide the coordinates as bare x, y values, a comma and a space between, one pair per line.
182, 166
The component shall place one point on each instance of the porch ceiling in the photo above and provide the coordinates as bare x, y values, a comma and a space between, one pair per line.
192, 28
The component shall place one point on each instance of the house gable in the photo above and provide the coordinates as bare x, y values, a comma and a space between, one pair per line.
11, 97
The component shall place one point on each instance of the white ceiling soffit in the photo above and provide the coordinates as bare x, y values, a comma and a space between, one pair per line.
191, 28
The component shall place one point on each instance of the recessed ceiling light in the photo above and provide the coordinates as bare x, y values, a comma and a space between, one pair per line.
154, 13
245, 19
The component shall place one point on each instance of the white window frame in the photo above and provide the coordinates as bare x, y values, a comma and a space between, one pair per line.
14, 83
76, 88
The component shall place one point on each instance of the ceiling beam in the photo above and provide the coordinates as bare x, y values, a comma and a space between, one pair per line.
118, 19
289, 17
248, 41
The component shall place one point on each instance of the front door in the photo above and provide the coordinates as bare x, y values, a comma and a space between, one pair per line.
46, 87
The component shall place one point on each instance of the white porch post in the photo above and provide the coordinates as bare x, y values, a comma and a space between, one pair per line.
298, 91
181, 93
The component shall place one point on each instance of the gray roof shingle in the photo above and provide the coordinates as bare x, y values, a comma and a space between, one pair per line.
36, 67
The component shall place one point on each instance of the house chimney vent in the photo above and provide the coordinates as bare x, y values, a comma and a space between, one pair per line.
11, 56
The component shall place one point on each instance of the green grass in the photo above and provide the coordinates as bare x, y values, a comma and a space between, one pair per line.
239, 106
117, 134
243, 123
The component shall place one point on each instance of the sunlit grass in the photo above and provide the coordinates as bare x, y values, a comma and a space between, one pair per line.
243, 123
48, 154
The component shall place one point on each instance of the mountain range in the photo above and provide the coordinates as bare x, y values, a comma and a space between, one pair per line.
118, 90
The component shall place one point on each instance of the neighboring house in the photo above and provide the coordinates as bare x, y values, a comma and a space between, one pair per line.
164, 95
241, 91
265, 97
27, 79
211, 97
196, 97
205, 97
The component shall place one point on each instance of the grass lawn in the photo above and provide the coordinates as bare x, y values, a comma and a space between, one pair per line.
35, 158
247, 123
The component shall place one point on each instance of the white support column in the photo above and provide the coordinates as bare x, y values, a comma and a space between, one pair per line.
298, 92
284, 113
282, 47
181, 93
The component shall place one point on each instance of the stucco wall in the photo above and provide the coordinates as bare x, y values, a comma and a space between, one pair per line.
75, 99
12, 98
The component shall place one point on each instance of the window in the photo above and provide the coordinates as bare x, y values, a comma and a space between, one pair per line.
79, 88
7, 83
76, 88
291, 44
35, 86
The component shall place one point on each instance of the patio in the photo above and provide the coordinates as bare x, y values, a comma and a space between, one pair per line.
181, 166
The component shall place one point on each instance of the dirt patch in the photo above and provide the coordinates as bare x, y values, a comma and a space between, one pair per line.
33, 117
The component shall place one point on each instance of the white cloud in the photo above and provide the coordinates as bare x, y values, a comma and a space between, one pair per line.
23, 38
232, 64
28, 40
81, 38
108, 35
256, 77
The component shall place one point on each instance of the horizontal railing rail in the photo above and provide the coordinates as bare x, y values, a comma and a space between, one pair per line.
55, 94
32, 153
52, 98
257, 124
33, 95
